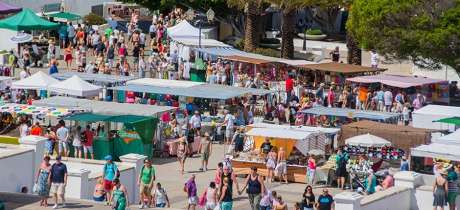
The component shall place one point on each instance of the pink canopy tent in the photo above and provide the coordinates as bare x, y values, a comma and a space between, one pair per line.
6, 8
396, 80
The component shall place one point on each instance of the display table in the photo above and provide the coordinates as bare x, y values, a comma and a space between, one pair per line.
174, 143
295, 173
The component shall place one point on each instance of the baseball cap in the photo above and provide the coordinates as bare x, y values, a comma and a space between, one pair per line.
108, 157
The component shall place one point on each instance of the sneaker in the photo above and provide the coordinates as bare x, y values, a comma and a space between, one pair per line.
201, 169
141, 206
55, 206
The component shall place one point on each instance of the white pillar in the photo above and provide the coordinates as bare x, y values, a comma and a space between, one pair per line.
412, 180
408, 179
37, 143
137, 161
78, 186
348, 201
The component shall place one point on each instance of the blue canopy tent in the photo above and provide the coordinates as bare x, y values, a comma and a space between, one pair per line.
352, 113
199, 91
100, 78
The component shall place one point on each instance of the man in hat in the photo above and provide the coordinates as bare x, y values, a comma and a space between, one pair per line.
58, 180
109, 173
205, 150
229, 122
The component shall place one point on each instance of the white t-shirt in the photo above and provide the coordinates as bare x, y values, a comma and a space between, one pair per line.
62, 133
230, 121
195, 121
388, 98
142, 38
374, 59
160, 195
24, 130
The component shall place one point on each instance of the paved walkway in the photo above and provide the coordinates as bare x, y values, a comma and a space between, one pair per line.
168, 174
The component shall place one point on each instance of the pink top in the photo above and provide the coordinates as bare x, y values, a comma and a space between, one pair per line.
311, 164
218, 175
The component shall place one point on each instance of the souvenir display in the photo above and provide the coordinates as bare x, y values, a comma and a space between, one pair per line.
386, 152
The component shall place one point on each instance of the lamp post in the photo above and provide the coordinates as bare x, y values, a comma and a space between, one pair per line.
210, 15
304, 46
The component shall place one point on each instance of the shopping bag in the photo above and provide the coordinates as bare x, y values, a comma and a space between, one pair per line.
217, 207
35, 189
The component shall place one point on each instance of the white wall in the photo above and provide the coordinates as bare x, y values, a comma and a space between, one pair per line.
398, 201
17, 171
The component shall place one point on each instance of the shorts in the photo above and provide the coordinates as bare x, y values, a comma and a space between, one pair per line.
210, 205
79, 148
108, 185
281, 168
205, 156
193, 200
229, 132
451, 197
62, 145
87, 149
226, 205
57, 188
160, 205
341, 172
145, 189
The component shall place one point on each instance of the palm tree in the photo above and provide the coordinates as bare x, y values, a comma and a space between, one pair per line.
354, 50
252, 23
288, 11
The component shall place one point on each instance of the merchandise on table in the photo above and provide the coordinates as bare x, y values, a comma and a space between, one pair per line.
386, 153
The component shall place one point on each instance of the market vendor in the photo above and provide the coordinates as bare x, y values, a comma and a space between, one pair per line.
266, 147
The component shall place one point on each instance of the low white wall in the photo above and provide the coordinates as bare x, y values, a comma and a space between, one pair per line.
395, 198
17, 171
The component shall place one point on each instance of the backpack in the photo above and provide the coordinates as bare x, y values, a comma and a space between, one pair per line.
117, 172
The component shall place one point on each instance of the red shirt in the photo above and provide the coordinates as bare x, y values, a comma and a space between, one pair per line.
289, 84
36, 131
89, 135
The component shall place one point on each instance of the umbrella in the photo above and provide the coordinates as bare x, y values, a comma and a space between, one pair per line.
21, 38
6, 8
367, 140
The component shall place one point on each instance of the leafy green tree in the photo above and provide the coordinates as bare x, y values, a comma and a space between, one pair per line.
424, 31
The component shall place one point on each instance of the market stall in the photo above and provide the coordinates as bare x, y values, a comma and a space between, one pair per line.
38, 81
435, 90
403, 137
128, 134
333, 72
27, 20
452, 138
427, 116
335, 117
7, 8
75, 86
296, 142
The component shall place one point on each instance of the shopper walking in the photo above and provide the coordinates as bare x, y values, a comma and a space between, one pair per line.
255, 188
110, 173
62, 135
120, 197
160, 197
41, 181
58, 181
205, 150
77, 142
88, 142
191, 190
145, 182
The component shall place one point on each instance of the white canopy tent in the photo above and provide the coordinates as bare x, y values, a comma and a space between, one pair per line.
75, 86
424, 117
164, 83
279, 133
437, 150
184, 30
297, 128
367, 140
195, 42
450, 139
38, 81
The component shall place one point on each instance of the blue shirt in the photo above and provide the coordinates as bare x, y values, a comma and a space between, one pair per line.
109, 171
63, 31
404, 166
380, 95
58, 172
53, 69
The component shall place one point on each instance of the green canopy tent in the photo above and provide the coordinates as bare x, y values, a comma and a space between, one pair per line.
64, 16
27, 20
135, 137
450, 120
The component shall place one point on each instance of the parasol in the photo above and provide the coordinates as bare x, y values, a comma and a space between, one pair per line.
21, 38
367, 140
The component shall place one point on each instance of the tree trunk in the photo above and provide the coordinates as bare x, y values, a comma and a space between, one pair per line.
326, 18
251, 37
287, 34
354, 51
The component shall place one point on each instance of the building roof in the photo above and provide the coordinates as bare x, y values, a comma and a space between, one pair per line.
396, 80
340, 68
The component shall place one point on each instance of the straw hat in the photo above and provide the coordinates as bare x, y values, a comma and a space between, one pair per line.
51, 41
